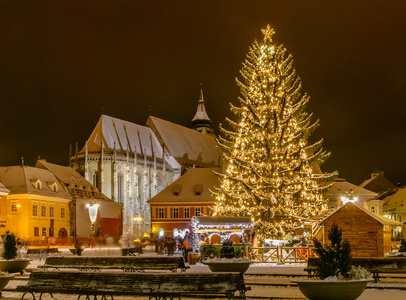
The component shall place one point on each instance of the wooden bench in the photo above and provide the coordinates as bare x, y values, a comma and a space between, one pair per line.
125, 263
155, 285
42, 252
375, 265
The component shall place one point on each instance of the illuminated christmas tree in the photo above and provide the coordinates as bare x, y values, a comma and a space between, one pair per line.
269, 174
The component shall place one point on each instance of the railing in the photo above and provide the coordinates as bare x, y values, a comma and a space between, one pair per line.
280, 254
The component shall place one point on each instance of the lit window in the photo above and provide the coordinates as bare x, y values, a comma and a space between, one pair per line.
161, 213
35, 210
197, 211
44, 231
187, 213
43, 211
176, 213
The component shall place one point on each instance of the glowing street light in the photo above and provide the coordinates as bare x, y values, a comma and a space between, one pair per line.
93, 208
138, 219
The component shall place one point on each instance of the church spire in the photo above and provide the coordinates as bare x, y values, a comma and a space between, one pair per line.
201, 121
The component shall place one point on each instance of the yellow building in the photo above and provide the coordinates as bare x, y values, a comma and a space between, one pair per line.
36, 208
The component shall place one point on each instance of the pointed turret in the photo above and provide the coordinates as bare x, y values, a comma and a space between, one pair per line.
201, 121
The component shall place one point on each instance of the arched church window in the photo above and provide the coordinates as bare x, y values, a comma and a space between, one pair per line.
95, 179
120, 186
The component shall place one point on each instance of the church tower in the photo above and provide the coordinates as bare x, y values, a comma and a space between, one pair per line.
201, 121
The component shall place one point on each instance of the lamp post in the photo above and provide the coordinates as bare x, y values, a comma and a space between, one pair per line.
93, 208
138, 219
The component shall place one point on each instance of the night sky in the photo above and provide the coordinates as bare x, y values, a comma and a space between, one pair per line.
63, 63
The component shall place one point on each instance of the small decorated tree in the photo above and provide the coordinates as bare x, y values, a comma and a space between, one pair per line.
335, 259
402, 246
227, 250
9, 246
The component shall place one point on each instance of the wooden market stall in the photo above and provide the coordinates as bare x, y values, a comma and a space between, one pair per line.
369, 234
210, 232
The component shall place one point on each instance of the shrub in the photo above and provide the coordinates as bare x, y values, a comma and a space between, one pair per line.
227, 250
335, 260
402, 246
9, 246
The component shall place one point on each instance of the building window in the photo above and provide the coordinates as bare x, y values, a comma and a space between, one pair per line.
95, 179
161, 213
187, 213
13, 207
44, 231
43, 211
120, 197
35, 210
197, 211
176, 213
51, 212
372, 209
62, 212
36, 231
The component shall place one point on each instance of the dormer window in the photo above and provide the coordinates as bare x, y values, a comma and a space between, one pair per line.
53, 186
176, 189
198, 189
72, 178
36, 183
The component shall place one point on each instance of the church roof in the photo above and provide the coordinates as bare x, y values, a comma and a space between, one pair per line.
30, 180
124, 136
201, 113
193, 186
186, 145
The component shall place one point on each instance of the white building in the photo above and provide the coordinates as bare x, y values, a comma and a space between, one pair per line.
131, 163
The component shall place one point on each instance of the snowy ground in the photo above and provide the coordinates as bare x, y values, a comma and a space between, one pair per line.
266, 281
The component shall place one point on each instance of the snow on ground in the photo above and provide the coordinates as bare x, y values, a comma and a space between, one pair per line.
277, 284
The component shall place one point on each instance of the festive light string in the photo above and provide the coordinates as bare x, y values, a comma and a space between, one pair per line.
269, 175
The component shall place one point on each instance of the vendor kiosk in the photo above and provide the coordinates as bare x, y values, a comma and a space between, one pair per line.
210, 232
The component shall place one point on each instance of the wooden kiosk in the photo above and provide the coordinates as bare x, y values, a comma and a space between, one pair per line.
210, 232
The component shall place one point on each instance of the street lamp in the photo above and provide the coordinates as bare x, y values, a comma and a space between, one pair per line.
138, 219
92, 215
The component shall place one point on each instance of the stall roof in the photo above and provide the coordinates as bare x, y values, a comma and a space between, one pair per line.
236, 222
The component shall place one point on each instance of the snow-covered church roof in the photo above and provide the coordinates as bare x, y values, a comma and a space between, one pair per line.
186, 145
125, 136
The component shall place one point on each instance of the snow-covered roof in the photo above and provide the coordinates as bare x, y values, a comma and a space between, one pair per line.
377, 183
3, 190
381, 219
70, 177
185, 144
193, 186
201, 113
341, 187
125, 136
30, 180
199, 221
396, 200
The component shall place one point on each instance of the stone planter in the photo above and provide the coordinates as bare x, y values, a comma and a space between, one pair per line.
228, 265
332, 290
16, 265
4, 279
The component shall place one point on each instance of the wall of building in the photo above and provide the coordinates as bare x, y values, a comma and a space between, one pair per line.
365, 234
35, 229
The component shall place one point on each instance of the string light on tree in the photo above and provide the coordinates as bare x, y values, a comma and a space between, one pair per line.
270, 165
